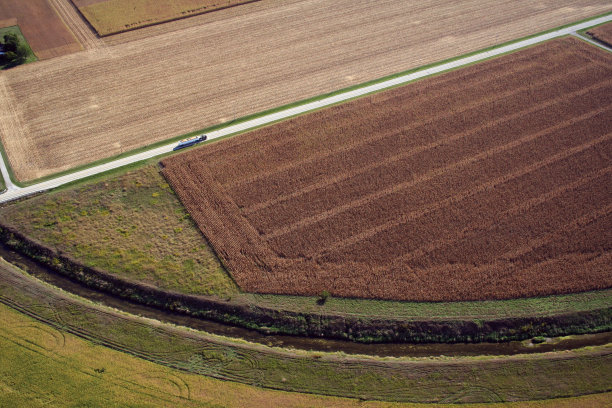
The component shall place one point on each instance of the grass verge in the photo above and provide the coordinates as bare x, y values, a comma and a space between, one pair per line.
131, 225
41, 366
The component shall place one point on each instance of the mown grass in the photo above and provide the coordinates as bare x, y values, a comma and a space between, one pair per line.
130, 225
133, 225
40, 366
15, 30
543, 306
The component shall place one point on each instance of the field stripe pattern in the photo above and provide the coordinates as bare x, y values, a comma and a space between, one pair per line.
433, 191
81, 30
195, 74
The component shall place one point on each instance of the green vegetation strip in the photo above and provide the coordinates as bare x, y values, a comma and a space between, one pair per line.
129, 235
482, 379
41, 366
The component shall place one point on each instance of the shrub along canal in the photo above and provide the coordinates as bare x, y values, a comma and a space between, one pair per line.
305, 343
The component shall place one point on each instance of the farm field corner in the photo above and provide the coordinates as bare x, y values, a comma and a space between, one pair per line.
345, 200
602, 33
42, 27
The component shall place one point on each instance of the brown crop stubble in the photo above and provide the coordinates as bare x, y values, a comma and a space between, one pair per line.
485, 183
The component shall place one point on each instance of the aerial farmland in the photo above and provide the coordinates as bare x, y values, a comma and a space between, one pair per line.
306, 203
458, 176
167, 85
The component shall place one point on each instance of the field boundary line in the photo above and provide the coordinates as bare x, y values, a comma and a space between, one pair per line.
78, 26
270, 118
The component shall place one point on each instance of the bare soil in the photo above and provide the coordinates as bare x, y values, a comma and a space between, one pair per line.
42, 27
183, 76
490, 182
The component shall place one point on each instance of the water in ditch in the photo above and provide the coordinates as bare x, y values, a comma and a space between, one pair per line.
305, 343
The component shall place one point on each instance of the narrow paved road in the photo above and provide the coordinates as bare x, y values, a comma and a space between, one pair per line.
13, 192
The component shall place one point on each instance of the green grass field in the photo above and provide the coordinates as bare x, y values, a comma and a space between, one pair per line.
131, 225
46, 363
15, 30
41, 366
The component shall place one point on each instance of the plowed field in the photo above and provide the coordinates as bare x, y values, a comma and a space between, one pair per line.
490, 182
603, 33
186, 75
41, 26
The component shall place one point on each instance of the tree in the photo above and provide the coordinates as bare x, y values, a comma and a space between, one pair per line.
323, 296
21, 53
11, 42
16, 52
10, 57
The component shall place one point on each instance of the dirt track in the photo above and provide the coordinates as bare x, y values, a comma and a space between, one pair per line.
485, 183
87, 106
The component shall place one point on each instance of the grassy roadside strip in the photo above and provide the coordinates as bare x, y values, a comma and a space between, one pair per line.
291, 105
464, 379
584, 31
585, 35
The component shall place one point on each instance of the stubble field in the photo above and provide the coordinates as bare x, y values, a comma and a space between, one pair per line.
79, 108
490, 182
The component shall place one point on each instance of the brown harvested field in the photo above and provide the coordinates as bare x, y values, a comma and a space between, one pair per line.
602, 33
42, 27
490, 182
114, 16
70, 111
